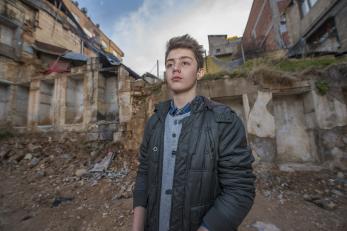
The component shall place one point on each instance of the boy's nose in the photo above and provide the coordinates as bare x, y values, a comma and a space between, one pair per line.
177, 67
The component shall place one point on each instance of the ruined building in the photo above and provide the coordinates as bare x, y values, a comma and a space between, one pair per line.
59, 71
317, 26
266, 28
220, 45
297, 27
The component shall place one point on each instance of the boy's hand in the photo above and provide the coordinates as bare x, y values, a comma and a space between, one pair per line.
139, 219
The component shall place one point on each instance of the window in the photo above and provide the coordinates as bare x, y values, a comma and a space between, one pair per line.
6, 35
306, 5
217, 50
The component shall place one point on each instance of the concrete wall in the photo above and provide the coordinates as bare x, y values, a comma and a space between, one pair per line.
300, 27
52, 31
4, 101
22, 100
235, 103
292, 138
74, 100
46, 101
107, 99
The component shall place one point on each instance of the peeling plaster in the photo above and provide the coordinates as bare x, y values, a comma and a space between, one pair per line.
330, 111
260, 121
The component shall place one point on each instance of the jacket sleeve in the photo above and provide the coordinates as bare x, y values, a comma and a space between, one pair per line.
140, 189
235, 175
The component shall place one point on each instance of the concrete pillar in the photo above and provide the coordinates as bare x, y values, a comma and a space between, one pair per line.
124, 95
34, 102
91, 80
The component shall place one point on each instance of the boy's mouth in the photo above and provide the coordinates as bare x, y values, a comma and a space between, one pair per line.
176, 78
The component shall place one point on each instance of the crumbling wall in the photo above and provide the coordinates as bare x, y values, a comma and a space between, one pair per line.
46, 101
4, 101
331, 116
51, 30
286, 118
22, 100
107, 99
292, 138
74, 100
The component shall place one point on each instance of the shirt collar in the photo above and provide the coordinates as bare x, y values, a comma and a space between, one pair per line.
174, 111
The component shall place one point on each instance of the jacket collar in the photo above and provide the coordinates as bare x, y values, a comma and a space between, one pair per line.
199, 104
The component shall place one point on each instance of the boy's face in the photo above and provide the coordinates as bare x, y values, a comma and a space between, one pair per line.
182, 70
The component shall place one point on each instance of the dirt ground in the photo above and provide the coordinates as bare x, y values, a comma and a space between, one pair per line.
46, 185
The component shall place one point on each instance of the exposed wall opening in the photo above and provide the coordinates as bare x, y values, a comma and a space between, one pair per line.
235, 103
22, 100
4, 101
74, 100
46, 102
293, 141
108, 103
325, 38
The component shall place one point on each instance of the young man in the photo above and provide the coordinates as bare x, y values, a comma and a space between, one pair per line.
195, 168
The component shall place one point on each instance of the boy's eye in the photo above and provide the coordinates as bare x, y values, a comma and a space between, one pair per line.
168, 65
185, 63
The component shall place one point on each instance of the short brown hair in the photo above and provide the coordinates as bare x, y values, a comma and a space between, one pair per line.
186, 41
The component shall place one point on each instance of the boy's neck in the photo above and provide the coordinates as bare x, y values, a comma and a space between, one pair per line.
180, 100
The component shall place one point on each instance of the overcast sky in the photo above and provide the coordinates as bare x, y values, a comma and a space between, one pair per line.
141, 28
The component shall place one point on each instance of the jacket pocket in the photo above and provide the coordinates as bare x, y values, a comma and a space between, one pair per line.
203, 155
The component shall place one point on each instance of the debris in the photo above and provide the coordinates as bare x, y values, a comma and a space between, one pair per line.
18, 157
34, 148
340, 175
58, 200
337, 192
103, 165
26, 218
34, 162
293, 167
261, 226
28, 156
81, 172
324, 203
40, 173
3, 154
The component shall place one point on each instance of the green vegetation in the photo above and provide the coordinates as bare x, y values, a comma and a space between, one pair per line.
294, 65
284, 66
322, 86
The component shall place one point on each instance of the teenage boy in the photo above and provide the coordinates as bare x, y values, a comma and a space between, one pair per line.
195, 168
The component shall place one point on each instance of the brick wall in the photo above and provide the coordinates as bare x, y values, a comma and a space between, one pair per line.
260, 34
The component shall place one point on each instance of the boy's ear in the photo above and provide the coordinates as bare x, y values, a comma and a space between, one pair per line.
201, 73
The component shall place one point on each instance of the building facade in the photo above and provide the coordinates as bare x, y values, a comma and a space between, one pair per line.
266, 28
317, 27
55, 75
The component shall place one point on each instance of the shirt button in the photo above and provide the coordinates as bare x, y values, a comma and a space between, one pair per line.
173, 153
173, 135
175, 122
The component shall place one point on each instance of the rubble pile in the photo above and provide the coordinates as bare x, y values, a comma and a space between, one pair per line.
65, 174
324, 188
52, 181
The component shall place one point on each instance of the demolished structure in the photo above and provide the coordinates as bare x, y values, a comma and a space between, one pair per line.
59, 71
296, 27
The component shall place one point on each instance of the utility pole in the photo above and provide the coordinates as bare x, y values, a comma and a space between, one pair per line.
206, 62
157, 68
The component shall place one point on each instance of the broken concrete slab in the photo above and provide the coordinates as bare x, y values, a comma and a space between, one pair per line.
103, 164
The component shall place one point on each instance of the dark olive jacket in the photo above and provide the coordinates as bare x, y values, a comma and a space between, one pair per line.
213, 180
